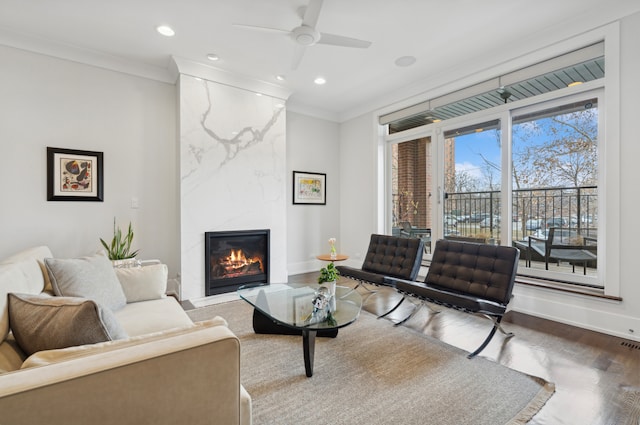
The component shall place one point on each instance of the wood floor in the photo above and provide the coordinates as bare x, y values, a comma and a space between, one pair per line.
597, 376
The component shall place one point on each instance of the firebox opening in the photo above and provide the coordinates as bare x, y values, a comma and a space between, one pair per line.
235, 258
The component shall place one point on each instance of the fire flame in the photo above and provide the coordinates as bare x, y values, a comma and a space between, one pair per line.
237, 261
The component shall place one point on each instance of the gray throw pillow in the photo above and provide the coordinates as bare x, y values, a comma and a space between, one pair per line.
41, 322
89, 277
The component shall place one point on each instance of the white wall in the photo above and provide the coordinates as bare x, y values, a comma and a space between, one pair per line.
358, 195
621, 318
313, 145
51, 102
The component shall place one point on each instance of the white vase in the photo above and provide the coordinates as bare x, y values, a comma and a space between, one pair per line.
331, 286
126, 263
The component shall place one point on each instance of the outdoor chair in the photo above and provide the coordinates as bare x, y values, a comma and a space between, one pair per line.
563, 245
409, 231
470, 277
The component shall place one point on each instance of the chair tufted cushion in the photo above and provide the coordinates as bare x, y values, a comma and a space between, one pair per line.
393, 256
478, 270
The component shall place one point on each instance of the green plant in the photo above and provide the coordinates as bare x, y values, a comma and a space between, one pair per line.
120, 247
328, 274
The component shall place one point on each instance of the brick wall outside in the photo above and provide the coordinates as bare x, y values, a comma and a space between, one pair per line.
414, 179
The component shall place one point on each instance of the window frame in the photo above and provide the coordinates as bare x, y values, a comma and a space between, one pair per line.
608, 144
505, 114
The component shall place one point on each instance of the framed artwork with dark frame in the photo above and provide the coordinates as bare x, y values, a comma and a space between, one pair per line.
74, 175
309, 188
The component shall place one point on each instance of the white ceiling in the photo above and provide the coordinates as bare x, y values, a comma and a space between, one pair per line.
444, 36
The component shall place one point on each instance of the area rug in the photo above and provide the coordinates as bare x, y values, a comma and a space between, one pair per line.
374, 373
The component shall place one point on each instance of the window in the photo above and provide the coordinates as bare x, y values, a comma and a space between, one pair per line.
522, 171
472, 174
555, 186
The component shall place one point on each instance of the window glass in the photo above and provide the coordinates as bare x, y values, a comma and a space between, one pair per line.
472, 174
555, 187
411, 180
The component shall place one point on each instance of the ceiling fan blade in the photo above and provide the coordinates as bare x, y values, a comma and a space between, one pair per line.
298, 53
312, 13
339, 40
262, 29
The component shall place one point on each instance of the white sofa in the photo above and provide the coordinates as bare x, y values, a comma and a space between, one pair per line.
167, 370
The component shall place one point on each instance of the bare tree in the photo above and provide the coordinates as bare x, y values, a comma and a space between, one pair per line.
465, 182
556, 151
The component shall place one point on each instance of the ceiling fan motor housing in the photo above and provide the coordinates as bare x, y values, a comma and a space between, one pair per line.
305, 35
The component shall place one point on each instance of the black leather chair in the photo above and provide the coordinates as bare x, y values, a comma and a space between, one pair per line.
387, 256
471, 277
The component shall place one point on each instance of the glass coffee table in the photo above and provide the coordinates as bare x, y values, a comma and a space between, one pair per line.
289, 308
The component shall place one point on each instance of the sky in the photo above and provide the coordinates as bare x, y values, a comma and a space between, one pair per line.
468, 150
474, 150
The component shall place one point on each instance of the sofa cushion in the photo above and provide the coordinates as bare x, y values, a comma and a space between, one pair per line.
21, 272
45, 323
143, 283
43, 358
152, 316
89, 277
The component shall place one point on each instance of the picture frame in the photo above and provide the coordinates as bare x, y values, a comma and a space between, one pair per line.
74, 175
309, 188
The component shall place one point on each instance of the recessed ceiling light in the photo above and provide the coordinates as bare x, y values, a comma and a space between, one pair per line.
213, 57
280, 77
258, 94
405, 61
319, 81
166, 30
575, 83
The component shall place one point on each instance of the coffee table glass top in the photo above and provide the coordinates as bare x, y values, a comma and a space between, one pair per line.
291, 304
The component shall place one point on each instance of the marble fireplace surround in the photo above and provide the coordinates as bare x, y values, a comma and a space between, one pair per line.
233, 173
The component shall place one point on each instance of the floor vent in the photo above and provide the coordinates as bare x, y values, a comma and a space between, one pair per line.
633, 345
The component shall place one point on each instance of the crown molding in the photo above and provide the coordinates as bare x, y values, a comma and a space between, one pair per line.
183, 66
84, 56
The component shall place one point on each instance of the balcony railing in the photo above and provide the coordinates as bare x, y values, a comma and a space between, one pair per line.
478, 214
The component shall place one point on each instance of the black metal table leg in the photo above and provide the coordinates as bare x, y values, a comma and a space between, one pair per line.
309, 348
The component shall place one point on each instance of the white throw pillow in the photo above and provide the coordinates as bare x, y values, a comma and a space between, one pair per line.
143, 283
89, 277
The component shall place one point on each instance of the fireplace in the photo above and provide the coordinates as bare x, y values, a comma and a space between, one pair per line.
235, 258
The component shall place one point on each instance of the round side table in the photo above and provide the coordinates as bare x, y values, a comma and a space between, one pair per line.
327, 257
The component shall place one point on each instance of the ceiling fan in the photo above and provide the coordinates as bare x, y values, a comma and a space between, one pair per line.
307, 35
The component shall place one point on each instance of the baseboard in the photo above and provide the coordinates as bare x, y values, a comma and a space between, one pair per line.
576, 310
214, 299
